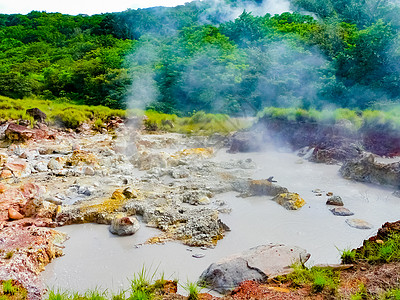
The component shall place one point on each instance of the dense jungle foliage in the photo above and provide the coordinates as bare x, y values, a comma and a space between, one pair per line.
198, 56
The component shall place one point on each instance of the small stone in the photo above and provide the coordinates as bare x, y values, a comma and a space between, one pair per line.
363, 269
41, 167
6, 174
124, 226
84, 190
329, 194
198, 255
53, 200
396, 193
341, 211
358, 223
317, 191
189, 249
14, 215
53, 164
335, 200
203, 248
88, 171
318, 195
204, 200
379, 242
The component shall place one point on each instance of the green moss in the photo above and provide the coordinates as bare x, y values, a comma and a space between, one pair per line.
380, 252
12, 290
320, 279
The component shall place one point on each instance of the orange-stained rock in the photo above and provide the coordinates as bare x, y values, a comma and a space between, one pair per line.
19, 133
14, 215
18, 168
2, 188
5, 174
30, 190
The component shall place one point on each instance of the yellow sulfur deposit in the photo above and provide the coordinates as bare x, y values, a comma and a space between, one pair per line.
291, 201
109, 205
79, 157
199, 152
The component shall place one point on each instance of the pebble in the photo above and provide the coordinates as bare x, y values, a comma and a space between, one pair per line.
88, 171
198, 255
14, 215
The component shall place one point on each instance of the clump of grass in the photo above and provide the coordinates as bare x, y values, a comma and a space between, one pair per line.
11, 290
393, 294
9, 255
193, 289
320, 279
382, 251
361, 294
348, 256
8, 287
57, 295
142, 286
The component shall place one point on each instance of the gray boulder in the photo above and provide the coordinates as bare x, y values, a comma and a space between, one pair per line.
335, 200
259, 264
124, 226
367, 169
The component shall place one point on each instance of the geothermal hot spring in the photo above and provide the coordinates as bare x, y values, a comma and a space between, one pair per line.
94, 258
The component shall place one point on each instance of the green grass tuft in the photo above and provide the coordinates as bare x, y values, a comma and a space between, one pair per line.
348, 256
193, 289
391, 295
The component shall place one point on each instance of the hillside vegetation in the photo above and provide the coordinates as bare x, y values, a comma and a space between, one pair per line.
200, 57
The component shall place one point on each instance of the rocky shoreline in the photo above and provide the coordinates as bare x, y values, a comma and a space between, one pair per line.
54, 177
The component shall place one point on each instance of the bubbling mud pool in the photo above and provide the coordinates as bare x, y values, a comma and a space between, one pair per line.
94, 258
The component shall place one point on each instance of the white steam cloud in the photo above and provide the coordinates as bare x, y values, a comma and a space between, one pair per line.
221, 12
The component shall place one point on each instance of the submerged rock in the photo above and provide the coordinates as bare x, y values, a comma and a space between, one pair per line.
358, 223
291, 201
259, 264
124, 226
341, 211
265, 188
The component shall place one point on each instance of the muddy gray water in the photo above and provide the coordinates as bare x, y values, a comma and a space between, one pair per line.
95, 258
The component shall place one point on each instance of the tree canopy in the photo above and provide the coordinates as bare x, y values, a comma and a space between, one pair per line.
190, 57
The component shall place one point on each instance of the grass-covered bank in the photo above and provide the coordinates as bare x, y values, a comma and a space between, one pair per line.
360, 119
71, 115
